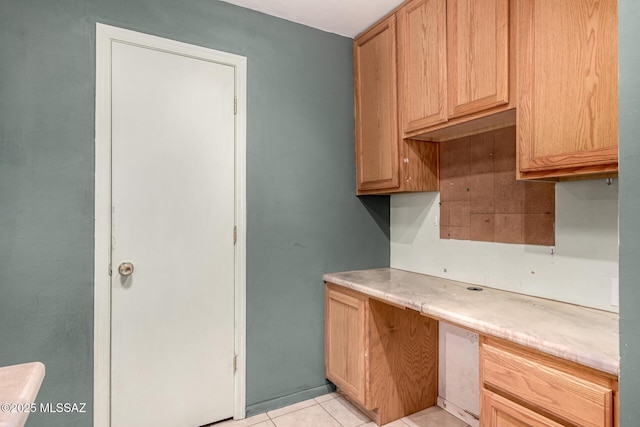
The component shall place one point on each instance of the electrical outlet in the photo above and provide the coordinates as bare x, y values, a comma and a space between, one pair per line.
615, 293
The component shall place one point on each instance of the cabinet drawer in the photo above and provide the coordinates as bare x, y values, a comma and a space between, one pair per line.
550, 390
498, 411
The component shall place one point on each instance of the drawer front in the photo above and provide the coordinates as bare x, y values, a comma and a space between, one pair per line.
566, 396
500, 412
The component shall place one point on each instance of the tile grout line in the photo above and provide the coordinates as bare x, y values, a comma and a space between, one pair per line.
272, 419
338, 421
291, 412
330, 414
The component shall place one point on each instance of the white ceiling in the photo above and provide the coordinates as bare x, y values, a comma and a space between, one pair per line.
345, 17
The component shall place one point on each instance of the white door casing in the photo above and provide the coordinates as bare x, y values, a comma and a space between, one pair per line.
141, 49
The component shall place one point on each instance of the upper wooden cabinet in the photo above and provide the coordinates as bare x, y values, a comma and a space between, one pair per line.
567, 111
430, 71
384, 162
376, 107
437, 70
454, 67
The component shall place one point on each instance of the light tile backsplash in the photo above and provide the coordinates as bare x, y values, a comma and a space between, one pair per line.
579, 272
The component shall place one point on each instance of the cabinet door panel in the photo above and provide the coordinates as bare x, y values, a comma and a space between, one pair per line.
403, 355
478, 55
568, 101
422, 56
345, 342
376, 107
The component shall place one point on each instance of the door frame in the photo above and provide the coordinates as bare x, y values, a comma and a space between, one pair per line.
105, 36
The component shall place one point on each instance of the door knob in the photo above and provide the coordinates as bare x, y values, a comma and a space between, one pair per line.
125, 268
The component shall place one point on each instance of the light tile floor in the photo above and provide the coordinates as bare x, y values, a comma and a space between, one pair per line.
332, 410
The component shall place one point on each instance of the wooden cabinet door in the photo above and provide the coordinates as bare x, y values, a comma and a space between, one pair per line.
376, 110
567, 112
478, 55
496, 411
345, 334
422, 63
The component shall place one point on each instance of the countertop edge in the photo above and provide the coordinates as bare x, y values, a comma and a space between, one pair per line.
19, 385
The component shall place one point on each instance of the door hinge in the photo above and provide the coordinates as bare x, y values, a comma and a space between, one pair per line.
235, 362
235, 234
235, 105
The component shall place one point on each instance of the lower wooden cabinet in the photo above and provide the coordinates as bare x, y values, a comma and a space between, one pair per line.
383, 357
521, 387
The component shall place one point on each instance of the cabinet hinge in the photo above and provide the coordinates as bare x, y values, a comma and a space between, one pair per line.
110, 272
235, 234
235, 362
235, 105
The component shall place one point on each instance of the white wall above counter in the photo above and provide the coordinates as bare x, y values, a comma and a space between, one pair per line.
580, 272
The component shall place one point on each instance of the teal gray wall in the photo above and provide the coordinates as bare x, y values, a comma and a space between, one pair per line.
303, 218
629, 211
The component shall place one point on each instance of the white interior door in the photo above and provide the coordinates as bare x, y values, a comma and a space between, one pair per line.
172, 319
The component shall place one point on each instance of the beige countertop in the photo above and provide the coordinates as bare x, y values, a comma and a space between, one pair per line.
19, 386
583, 335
